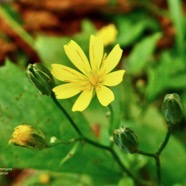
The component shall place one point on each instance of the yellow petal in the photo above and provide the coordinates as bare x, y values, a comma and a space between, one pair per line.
66, 90
77, 56
83, 100
113, 78
108, 34
112, 59
105, 95
65, 73
95, 52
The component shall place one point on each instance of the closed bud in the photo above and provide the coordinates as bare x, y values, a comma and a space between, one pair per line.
126, 139
41, 77
172, 108
26, 136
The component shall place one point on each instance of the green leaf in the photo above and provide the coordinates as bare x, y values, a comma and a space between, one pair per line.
129, 32
21, 103
132, 26
176, 12
142, 53
126, 181
50, 49
88, 27
47, 178
168, 73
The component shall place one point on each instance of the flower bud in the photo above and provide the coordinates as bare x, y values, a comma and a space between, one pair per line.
41, 77
26, 136
126, 139
172, 108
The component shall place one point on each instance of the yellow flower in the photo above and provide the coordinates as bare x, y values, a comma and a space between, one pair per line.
107, 34
92, 76
26, 136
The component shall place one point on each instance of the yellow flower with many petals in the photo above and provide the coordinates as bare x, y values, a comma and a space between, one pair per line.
91, 77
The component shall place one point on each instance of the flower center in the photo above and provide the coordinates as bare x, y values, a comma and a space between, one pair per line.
95, 79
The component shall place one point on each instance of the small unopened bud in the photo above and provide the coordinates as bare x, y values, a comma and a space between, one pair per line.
172, 108
26, 136
126, 139
41, 77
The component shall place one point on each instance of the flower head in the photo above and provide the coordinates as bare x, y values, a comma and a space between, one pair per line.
27, 136
92, 77
108, 34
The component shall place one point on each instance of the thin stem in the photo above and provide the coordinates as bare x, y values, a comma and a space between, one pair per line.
91, 142
158, 169
66, 114
157, 161
115, 156
146, 153
64, 142
95, 143
163, 145
16, 27
111, 118
156, 155
111, 113
129, 173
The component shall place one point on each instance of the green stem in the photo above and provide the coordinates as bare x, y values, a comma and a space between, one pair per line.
111, 117
66, 114
146, 153
157, 161
156, 155
163, 145
129, 173
158, 169
91, 142
104, 147
16, 27
64, 142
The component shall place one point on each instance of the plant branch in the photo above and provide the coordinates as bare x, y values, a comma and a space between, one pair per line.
163, 145
158, 169
94, 143
146, 153
125, 169
66, 114
156, 155
157, 161
111, 118
16, 27
64, 142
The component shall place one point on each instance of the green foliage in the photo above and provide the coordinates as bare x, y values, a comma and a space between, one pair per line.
40, 178
131, 27
176, 12
137, 60
21, 103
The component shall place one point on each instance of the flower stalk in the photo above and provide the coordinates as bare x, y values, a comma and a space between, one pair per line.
66, 114
94, 143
